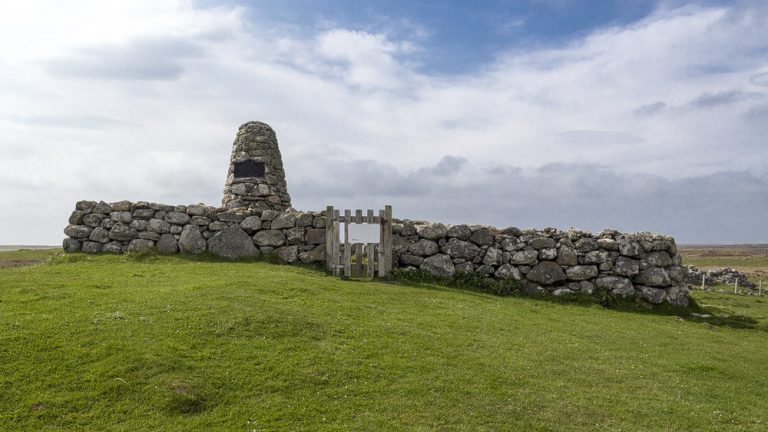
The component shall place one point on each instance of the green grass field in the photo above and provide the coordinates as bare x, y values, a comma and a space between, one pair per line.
122, 343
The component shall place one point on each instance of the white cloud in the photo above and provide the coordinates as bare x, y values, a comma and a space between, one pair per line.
141, 100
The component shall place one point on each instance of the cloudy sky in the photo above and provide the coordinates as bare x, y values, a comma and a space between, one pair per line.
634, 115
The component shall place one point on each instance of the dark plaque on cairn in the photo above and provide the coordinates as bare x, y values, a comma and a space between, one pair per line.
249, 168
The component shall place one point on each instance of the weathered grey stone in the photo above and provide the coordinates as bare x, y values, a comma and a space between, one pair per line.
659, 259
76, 218
547, 273
539, 243
315, 236
583, 287
93, 220
482, 237
294, 236
484, 270
492, 257
626, 266
582, 272
191, 241
413, 260
465, 267
423, 247
158, 226
77, 231
102, 208
167, 244
177, 218
121, 206
304, 220
197, 210
145, 214
585, 245
217, 226
268, 215
619, 286
547, 254
112, 247
176, 229
567, 256
461, 232
456, 248
121, 216
137, 245
560, 292
631, 248
652, 295
594, 257
200, 221
284, 220
100, 235
148, 235
92, 247
251, 224
524, 257
230, 216
139, 225
289, 254
678, 296
431, 231
439, 265
608, 244
273, 238
232, 242
319, 222
408, 229
122, 232
71, 245
676, 273
654, 276
85, 206
315, 255
506, 271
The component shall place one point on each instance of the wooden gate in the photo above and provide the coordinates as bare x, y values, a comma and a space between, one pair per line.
375, 258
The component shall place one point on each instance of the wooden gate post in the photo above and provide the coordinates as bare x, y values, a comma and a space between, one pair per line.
329, 236
347, 246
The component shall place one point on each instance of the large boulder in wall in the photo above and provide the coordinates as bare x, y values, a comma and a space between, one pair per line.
232, 242
191, 241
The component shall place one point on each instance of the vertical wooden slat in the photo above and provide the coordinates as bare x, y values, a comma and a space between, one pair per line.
347, 247
382, 268
329, 238
369, 253
358, 216
358, 260
388, 240
369, 217
335, 259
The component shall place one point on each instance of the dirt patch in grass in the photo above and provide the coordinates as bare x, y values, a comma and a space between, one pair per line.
18, 262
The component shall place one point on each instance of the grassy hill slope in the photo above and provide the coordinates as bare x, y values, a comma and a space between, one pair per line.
167, 343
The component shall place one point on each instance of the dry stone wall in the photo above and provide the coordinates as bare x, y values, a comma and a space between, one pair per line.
546, 262
233, 233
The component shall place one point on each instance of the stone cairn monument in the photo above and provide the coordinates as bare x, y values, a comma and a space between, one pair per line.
256, 178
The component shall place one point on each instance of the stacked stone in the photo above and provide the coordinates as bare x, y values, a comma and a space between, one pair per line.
550, 261
233, 233
547, 262
724, 275
257, 141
